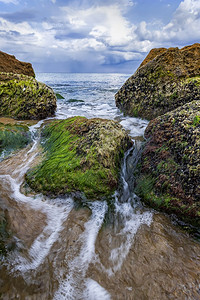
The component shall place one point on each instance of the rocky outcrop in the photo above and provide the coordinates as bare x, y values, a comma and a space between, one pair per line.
152, 54
81, 156
160, 85
170, 164
9, 64
23, 97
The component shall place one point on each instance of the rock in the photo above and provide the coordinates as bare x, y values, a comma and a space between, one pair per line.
4, 234
9, 64
160, 85
170, 164
81, 156
152, 54
12, 138
59, 96
23, 97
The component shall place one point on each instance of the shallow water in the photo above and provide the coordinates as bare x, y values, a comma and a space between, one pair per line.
65, 252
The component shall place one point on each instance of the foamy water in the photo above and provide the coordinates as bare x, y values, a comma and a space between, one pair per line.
97, 95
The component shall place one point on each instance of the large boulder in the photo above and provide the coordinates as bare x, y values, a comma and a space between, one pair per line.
8, 63
169, 176
82, 156
167, 79
23, 97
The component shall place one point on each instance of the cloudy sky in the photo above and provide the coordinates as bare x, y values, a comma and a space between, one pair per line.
94, 35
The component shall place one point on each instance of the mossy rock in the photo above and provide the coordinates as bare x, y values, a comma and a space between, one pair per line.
13, 137
4, 234
81, 156
23, 97
167, 79
169, 171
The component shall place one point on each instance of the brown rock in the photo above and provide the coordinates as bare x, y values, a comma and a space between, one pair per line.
9, 64
170, 163
152, 54
160, 85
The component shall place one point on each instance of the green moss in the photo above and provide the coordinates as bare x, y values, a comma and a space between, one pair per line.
22, 97
3, 234
174, 96
146, 190
75, 100
135, 111
13, 137
74, 161
159, 74
59, 96
195, 80
167, 167
145, 187
196, 121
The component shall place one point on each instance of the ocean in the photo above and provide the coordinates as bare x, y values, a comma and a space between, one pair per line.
91, 95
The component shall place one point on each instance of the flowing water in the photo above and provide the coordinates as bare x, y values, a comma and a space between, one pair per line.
96, 252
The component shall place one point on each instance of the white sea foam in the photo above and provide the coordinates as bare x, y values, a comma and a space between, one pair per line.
95, 291
135, 126
73, 285
56, 212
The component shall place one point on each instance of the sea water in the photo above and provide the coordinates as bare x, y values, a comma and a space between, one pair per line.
91, 95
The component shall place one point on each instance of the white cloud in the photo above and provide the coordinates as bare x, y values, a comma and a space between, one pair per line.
9, 1
111, 26
184, 25
100, 34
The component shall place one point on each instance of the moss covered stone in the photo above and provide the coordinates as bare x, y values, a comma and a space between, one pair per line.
81, 155
13, 137
167, 79
170, 164
23, 97
4, 234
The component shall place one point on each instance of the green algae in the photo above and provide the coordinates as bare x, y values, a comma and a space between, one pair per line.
13, 137
195, 80
4, 235
59, 96
79, 157
75, 100
196, 120
164, 201
22, 97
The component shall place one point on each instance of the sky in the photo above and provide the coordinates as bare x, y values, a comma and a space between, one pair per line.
95, 36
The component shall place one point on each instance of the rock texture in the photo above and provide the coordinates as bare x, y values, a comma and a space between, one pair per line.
4, 234
8, 63
23, 97
152, 54
170, 164
161, 84
81, 156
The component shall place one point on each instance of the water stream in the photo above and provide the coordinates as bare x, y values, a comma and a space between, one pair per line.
65, 252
